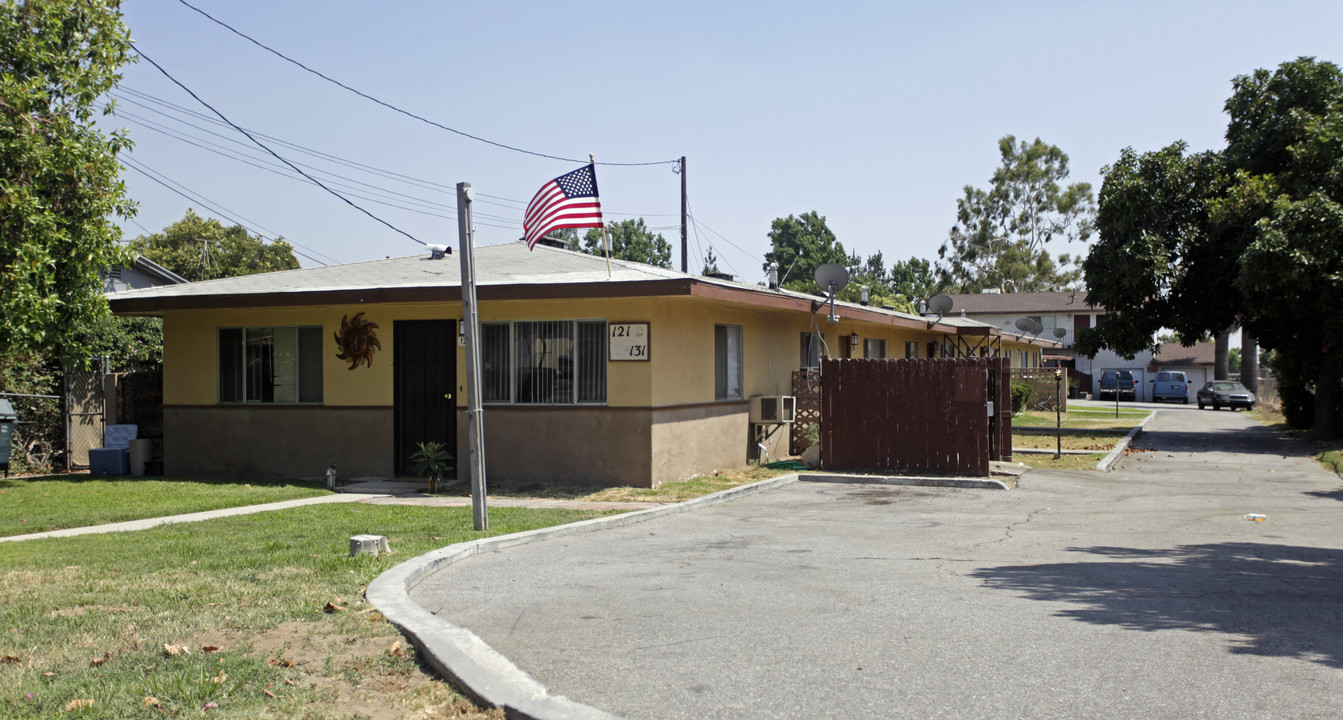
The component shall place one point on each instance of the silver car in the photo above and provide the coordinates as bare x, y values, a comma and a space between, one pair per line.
1225, 393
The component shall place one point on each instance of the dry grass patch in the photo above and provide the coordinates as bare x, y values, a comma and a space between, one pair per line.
1099, 443
1067, 462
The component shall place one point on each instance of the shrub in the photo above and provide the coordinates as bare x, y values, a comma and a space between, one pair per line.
1021, 396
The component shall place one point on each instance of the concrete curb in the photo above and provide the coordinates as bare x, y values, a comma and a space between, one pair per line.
1108, 462
926, 481
492, 680
486, 676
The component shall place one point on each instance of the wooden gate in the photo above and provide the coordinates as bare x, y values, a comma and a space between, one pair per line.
914, 416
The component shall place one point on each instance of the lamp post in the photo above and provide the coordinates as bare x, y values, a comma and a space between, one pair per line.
1058, 413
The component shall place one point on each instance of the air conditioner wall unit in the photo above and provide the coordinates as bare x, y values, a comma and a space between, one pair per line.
773, 409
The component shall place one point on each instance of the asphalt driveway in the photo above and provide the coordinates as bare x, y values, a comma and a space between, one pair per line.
1139, 593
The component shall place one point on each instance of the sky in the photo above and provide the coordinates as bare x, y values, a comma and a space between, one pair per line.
875, 115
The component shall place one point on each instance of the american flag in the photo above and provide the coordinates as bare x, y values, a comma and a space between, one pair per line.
568, 201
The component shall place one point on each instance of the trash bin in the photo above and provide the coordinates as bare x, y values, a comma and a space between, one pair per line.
8, 420
140, 453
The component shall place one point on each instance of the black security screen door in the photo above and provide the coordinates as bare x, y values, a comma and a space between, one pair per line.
426, 379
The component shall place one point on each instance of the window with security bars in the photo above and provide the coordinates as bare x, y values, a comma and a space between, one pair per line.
550, 362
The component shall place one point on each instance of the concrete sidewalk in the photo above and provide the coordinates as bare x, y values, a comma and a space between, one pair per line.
147, 523
371, 492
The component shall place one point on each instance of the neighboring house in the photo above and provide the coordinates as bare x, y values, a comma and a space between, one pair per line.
639, 377
143, 273
1067, 310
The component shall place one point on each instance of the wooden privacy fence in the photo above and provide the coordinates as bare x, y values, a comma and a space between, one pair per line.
915, 416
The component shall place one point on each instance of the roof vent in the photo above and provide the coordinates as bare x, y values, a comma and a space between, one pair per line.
436, 252
551, 242
721, 275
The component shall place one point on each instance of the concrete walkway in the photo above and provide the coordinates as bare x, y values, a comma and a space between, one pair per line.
147, 523
372, 492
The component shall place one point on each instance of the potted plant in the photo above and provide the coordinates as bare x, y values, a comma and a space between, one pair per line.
432, 460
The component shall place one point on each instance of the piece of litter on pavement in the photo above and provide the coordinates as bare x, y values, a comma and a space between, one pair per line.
1256, 517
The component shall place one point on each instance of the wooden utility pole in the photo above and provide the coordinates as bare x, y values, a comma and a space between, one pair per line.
685, 265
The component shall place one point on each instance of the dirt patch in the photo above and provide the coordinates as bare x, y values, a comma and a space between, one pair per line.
375, 677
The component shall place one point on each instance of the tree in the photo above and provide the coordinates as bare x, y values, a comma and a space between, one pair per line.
1250, 236
630, 240
800, 245
913, 279
1161, 262
1001, 236
59, 182
204, 249
710, 263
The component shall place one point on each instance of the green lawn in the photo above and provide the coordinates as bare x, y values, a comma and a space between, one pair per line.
103, 618
55, 502
1084, 419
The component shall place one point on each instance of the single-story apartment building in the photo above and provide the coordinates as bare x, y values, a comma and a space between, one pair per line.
637, 375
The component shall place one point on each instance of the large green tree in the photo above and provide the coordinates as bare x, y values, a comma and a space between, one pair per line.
200, 248
1252, 235
59, 184
800, 244
1002, 235
630, 240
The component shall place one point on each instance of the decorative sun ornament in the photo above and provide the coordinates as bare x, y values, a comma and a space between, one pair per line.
357, 340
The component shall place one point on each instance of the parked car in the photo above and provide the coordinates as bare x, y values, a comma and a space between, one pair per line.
1225, 393
1120, 381
1170, 385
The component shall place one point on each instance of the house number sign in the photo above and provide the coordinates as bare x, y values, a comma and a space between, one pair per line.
628, 341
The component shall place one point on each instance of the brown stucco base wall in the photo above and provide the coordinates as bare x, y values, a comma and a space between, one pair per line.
276, 442
589, 446
699, 439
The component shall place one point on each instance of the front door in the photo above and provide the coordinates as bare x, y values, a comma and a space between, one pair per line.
425, 376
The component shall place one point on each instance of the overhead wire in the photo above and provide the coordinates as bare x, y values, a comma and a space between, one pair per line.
263, 164
421, 183
394, 108
263, 146
187, 193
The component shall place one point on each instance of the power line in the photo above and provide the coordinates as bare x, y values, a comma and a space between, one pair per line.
394, 108
187, 193
409, 180
174, 80
421, 183
262, 164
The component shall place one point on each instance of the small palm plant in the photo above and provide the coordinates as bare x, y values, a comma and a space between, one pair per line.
432, 460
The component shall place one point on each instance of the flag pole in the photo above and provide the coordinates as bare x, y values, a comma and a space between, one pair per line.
606, 240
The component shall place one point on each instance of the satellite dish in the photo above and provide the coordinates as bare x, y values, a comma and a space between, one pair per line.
1059, 333
831, 278
1036, 327
1025, 324
829, 274
940, 304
